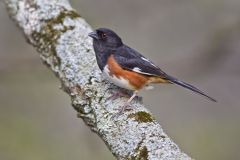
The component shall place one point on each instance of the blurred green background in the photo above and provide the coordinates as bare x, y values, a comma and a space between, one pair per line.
197, 41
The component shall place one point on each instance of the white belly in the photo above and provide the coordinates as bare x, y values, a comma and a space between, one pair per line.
119, 81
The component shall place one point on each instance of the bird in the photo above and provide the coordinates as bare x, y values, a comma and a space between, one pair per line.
127, 68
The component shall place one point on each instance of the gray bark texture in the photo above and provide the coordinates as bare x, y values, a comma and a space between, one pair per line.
60, 35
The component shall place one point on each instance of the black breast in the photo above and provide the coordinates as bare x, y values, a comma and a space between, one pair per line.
102, 53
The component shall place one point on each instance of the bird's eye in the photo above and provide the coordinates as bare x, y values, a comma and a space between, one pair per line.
103, 35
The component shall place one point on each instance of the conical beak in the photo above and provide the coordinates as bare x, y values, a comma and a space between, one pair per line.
93, 35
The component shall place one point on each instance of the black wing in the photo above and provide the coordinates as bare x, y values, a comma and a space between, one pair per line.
130, 59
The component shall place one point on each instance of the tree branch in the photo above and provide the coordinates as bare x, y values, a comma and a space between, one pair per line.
61, 37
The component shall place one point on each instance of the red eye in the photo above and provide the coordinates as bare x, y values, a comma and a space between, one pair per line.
103, 35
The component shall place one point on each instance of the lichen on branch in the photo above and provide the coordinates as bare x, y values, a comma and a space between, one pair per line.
60, 35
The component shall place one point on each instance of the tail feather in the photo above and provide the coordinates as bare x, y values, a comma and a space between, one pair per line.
190, 87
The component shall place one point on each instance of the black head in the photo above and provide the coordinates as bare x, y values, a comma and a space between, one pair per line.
106, 38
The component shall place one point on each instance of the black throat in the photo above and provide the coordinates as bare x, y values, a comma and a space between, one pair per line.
102, 53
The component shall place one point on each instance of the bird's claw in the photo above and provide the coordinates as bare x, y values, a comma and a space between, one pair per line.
117, 94
121, 111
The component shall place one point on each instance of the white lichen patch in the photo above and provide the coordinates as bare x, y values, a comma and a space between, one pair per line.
76, 62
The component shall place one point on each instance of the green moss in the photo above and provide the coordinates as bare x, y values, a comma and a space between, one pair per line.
141, 153
46, 39
141, 117
80, 110
60, 18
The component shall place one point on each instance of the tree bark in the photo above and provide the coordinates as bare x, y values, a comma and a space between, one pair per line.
60, 35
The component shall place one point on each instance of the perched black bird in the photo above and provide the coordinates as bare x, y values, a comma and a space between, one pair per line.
127, 68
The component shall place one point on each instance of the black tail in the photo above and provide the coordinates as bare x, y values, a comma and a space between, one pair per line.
190, 87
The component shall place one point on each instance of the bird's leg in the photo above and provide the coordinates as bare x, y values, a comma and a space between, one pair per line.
124, 107
117, 94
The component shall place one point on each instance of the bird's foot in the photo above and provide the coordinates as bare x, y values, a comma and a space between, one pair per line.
117, 94
121, 110
125, 106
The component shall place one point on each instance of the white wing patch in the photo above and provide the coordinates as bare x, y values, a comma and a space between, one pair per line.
138, 70
145, 59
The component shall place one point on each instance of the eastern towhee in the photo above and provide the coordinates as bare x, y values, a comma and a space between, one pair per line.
127, 68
